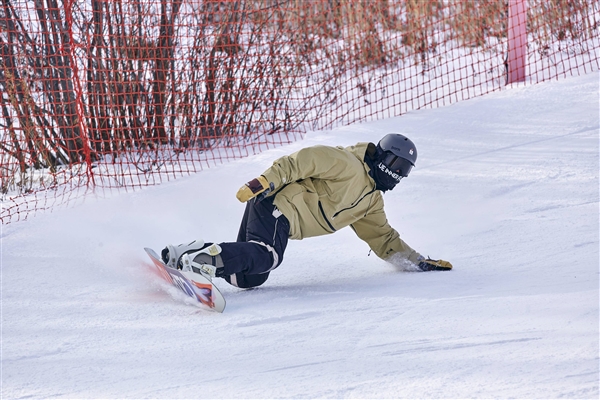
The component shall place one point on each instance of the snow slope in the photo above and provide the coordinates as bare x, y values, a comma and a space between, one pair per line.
506, 188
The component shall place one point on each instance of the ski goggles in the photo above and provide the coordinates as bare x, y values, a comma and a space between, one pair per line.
396, 164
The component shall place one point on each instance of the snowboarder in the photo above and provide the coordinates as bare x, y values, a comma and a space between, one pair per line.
315, 191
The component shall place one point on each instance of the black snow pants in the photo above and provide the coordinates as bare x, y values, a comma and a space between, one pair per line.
260, 245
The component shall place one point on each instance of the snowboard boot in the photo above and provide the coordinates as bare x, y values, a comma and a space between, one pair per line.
172, 254
206, 261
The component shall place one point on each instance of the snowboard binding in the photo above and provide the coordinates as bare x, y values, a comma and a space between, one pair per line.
197, 256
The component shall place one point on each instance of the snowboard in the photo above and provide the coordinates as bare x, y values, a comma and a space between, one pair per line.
196, 286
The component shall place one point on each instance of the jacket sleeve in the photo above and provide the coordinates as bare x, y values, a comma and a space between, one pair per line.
384, 240
320, 162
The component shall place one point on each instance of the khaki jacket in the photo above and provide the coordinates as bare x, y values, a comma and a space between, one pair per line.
323, 189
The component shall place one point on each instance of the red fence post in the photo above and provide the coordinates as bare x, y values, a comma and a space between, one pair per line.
78, 94
517, 40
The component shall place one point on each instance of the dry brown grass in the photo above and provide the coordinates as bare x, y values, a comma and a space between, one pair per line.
159, 74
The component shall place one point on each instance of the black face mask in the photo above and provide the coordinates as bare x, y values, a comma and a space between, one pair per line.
387, 170
385, 178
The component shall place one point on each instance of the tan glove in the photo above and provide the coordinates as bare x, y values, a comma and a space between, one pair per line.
252, 189
434, 265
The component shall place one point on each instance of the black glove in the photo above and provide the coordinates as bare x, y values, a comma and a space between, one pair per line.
434, 265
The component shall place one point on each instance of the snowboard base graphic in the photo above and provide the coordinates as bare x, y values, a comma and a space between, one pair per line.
196, 286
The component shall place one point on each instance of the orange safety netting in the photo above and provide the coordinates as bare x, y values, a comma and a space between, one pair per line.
116, 94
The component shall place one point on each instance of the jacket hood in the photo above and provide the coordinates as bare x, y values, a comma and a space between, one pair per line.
367, 153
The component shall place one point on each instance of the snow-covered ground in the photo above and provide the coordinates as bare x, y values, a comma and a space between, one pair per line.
506, 188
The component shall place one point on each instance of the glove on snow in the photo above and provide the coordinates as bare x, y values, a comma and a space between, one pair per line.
252, 189
434, 265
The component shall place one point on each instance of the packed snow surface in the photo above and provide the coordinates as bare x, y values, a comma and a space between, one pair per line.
506, 188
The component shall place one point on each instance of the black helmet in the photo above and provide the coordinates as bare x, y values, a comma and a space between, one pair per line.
396, 155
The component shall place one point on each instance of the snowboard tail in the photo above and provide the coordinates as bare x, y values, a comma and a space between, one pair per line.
194, 285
